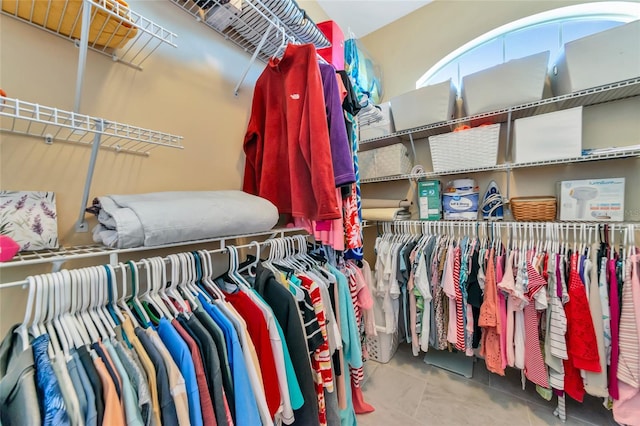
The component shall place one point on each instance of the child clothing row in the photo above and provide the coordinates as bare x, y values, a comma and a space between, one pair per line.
566, 315
281, 346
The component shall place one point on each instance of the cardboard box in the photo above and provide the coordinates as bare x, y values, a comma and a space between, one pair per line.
591, 200
516, 82
378, 129
430, 199
553, 136
335, 53
423, 106
220, 17
599, 59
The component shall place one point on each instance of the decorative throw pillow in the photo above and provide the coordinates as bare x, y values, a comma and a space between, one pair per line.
29, 218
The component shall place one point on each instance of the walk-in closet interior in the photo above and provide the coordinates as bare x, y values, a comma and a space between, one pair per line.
319, 212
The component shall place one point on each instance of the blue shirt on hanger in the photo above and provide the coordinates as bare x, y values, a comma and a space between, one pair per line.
245, 400
180, 353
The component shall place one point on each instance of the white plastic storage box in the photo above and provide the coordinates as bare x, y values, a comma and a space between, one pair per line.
378, 129
423, 106
387, 161
599, 59
513, 83
466, 149
553, 136
382, 347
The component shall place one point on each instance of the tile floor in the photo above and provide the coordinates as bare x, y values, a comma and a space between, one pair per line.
408, 392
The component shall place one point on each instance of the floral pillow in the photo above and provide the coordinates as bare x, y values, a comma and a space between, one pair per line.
30, 219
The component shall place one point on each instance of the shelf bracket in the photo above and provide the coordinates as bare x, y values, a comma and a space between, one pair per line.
253, 59
81, 224
82, 54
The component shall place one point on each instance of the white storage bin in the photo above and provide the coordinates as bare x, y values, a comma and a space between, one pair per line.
423, 106
466, 149
603, 58
387, 161
380, 128
513, 83
552, 136
382, 347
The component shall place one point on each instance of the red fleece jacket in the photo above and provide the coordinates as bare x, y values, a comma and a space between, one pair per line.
288, 155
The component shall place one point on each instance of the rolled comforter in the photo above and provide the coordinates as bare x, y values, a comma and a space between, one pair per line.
159, 218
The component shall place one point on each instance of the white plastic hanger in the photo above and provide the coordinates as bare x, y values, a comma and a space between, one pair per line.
22, 328
67, 320
49, 301
35, 329
95, 301
190, 275
103, 290
114, 290
64, 335
75, 314
135, 283
122, 301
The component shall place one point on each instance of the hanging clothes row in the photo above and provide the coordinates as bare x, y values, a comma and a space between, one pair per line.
165, 341
560, 306
300, 147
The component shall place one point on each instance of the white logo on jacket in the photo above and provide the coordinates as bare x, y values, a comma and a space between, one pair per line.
295, 96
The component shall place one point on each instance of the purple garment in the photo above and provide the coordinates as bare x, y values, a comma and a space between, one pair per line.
339, 141
614, 304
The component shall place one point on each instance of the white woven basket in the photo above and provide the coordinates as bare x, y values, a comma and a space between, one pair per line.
382, 347
467, 149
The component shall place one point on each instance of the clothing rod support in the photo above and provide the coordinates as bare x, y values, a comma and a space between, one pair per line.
82, 225
118, 266
253, 59
82, 54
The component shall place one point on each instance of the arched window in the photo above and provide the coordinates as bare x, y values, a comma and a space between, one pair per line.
548, 30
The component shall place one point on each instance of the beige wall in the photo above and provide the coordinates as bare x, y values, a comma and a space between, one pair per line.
186, 91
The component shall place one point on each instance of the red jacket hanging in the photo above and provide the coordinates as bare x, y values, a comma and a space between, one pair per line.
288, 156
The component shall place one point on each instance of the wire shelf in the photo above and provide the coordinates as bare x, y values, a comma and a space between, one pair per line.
597, 95
616, 153
53, 124
65, 254
115, 31
245, 26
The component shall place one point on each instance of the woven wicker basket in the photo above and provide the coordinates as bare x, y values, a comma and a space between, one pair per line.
467, 149
533, 209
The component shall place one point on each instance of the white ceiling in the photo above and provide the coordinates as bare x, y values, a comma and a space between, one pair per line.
364, 16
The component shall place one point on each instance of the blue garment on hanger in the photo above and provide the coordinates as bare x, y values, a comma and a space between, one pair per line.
180, 353
245, 400
54, 412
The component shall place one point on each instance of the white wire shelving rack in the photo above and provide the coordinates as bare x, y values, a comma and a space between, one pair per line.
53, 124
259, 28
597, 95
620, 153
65, 254
103, 26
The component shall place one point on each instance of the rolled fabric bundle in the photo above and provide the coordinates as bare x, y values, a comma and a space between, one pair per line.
386, 214
377, 203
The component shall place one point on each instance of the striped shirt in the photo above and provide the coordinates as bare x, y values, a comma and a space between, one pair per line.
629, 358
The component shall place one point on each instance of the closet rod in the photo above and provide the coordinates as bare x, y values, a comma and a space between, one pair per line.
467, 224
24, 283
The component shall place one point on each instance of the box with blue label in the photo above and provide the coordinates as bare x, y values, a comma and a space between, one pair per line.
460, 200
592, 200
429, 199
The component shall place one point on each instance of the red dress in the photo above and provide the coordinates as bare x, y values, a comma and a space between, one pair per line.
582, 347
